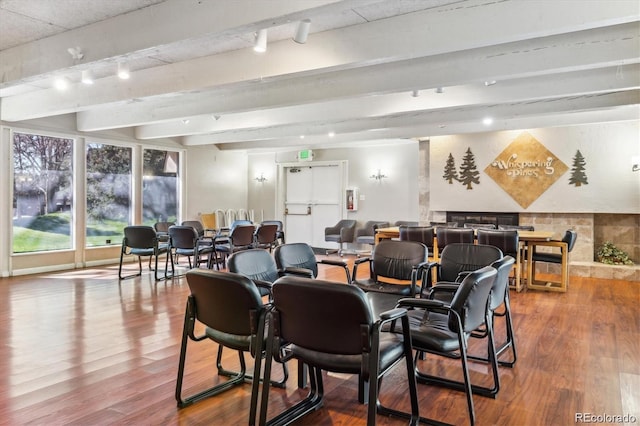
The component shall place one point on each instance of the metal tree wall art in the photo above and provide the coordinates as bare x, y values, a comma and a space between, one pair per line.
468, 172
578, 176
450, 173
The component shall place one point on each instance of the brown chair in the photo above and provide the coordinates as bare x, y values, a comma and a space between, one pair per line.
442, 329
231, 310
330, 326
239, 238
564, 247
266, 236
343, 232
509, 242
280, 233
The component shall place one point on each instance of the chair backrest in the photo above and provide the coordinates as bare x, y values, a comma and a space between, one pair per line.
224, 301
346, 228
517, 227
139, 236
396, 259
195, 224
405, 223
296, 255
266, 234
447, 235
422, 234
369, 228
162, 226
273, 222
254, 263
461, 257
239, 222
209, 220
507, 241
183, 237
570, 238
501, 283
479, 225
471, 299
322, 315
242, 235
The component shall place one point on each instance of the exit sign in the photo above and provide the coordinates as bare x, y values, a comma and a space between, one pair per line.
305, 155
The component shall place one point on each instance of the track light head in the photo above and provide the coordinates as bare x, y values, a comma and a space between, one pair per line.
302, 32
260, 44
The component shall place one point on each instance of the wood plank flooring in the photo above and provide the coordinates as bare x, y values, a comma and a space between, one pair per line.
81, 348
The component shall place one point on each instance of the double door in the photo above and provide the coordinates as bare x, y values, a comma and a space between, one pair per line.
313, 201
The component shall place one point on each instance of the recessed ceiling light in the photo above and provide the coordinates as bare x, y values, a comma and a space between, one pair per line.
185, 121
490, 82
123, 71
61, 83
439, 90
487, 121
331, 134
301, 136
87, 77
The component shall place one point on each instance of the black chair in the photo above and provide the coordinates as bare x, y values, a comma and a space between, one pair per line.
329, 326
470, 225
406, 223
516, 227
421, 234
443, 329
508, 242
260, 267
367, 234
239, 238
447, 235
561, 258
458, 259
266, 236
184, 241
140, 240
394, 260
280, 233
231, 309
195, 224
499, 297
299, 258
343, 232
162, 230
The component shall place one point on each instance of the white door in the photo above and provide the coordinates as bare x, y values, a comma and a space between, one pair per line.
313, 202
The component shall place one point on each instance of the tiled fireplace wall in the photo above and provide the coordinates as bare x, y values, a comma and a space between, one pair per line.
594, 229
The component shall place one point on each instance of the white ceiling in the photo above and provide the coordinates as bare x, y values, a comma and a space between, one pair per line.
196, 78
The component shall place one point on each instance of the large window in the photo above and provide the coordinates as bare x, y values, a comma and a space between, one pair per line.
108, 193
42, 193
160, 186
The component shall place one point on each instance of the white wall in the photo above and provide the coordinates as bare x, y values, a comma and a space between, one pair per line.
214, 180
607, 148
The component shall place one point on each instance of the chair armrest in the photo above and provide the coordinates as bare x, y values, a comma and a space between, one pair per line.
331, 230
263, 284
361, 260
341, 263
410, 302
392, 314
462, 275
301, 272
443, 287
347, 233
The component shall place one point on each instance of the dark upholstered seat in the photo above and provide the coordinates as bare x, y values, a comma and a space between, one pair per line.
280, 232
329, 326
343, 232
448, 235
299, 259
459, 258
184, 241
508, 242
366, 234
422, 234
559, 255
231, 309
266, 236
240, 238
140, 240
442, 328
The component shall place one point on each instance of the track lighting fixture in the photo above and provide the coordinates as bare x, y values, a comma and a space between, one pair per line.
302, 32
76, 53
415, 93
260, 44
61, 83
123, 71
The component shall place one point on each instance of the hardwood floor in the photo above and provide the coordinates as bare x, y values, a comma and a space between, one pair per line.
81, 348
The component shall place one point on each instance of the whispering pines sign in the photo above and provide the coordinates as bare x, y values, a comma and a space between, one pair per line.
525, 169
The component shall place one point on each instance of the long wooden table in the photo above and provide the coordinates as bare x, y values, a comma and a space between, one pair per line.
527, 238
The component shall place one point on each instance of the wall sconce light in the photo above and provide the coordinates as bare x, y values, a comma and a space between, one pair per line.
378, 176
635, 164
261, 178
